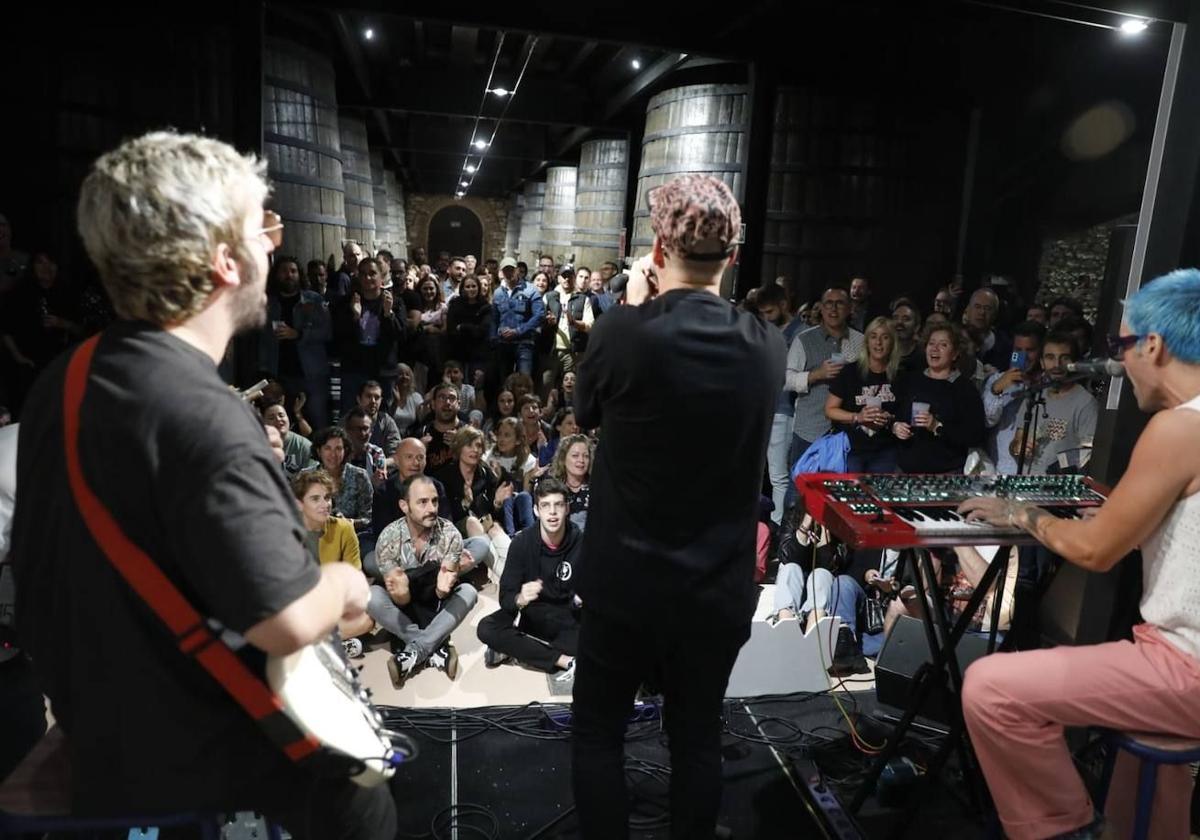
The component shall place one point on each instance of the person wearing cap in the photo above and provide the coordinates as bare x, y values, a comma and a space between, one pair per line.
675, 352
517, 315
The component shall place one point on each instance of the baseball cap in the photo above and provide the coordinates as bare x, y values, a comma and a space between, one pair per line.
696, 217
507, 262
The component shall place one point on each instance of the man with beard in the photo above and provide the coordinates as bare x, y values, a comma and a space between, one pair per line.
438, 433
907, 319
293, 349
368, 328
177, 464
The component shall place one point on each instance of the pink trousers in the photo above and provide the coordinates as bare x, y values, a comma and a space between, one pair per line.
1016, 705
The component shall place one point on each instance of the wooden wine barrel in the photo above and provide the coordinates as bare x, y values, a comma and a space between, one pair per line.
512, 233
384, 232
396, 212
302, 146
600, 202
558, 213
356, 169
529, 245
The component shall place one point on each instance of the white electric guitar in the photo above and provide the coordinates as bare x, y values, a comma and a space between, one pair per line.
322, 695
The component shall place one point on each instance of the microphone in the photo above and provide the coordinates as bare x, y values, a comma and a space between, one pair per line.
1097, 367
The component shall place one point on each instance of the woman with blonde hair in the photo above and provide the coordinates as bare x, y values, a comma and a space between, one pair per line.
863, 398
572, 466
472, 493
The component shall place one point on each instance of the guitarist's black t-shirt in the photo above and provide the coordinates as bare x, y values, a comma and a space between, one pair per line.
183, 465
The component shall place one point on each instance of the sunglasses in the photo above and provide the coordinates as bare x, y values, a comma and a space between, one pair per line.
1118, 344
272, 228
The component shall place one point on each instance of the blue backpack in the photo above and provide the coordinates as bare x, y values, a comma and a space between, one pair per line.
826, 454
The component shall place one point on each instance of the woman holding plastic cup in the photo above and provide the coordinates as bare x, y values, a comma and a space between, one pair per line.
940, 415
863, 401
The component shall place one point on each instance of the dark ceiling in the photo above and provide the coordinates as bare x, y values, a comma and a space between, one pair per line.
419, 81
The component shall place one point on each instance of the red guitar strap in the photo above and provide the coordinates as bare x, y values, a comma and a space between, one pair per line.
189, 628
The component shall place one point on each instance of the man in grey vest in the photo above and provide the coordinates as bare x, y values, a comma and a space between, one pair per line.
815, 358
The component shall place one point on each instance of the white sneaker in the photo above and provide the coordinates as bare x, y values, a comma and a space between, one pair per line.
401, 666
353, 648
445, 658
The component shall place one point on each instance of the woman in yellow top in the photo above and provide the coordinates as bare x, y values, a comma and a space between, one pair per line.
330, 539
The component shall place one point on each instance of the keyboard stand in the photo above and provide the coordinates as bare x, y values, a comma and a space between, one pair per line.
933, 676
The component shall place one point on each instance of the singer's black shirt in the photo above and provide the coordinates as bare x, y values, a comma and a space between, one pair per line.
184, 467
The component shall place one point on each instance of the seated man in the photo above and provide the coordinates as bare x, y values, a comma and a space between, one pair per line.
384, 432
538, 620
421, 600
330, 539
363, 453
828, 591
409, 461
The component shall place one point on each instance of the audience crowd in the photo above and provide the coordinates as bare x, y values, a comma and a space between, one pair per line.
423, 411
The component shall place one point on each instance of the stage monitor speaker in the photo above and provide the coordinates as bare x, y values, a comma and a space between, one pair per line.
906, 650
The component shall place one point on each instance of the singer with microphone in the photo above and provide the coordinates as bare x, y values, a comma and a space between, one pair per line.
1068, 418
1016, 705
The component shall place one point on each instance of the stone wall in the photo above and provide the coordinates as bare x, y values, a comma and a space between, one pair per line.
492, 213
1073, 266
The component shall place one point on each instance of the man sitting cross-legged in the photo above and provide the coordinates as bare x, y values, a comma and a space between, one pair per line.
330, 539
538, 619
421, 602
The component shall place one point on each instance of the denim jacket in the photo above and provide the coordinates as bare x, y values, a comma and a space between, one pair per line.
314, 326
521, 309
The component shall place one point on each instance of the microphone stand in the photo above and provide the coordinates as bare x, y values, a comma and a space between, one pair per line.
1036, 398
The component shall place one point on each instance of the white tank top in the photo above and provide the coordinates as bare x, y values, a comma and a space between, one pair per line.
1171, 571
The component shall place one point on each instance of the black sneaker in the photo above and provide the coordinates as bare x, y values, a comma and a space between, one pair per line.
401, 666
445, 659
847, 656
353, 648
493, 658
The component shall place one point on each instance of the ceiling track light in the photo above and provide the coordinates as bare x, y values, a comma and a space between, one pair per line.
480, 144
501, 92
1134, 26
470, 168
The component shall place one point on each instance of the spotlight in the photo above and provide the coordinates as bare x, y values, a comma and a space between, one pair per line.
1134, 26
368, 33
637, 65
501, 92
471, 168
480, 144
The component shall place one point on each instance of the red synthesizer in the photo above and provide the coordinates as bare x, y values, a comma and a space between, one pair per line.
913, 511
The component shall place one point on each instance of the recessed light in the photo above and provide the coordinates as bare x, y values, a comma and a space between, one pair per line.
637, 65
1134, 26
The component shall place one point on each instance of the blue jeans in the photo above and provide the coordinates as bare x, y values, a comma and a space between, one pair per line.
778, 465
883, 461
795, 450
518, 513
838, 596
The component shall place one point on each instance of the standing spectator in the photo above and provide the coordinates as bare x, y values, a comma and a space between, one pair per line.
406, 400
368, 328
780, 446
559, 303
421, 600
39, 320
317, 275
943, 302
438, 434
518, 311
907, 318
995, 348
1061, 308
456, 272
537, 588
468, 321
863, 309
297, 449
384, 432
293, 348
343, 281
941, 414
1068, 421
13, 263
429, 326
546, 265
1037, 313
815, 358
471, 263
863, 401
1003, 392
331, 449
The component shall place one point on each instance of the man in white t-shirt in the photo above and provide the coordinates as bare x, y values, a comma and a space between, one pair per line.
1068, 422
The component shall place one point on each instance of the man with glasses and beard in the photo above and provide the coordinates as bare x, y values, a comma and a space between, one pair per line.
175, 225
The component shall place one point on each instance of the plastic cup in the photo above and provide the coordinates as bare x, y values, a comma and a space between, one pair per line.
919, 408
837, 359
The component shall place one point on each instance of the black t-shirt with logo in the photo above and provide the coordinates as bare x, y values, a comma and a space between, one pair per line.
184, 467
855, 390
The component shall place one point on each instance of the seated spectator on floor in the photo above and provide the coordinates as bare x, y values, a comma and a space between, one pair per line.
407, 402
510, 461
364, 454
863, 400
384, 432
519, 384
562, 426
940, 414
421, 600
538, 620
408, 462
822, 591
274, 441
1004, 391
351, 485
329, 539
452, 372
297, 450
472, 494
1067, 421
537, 431
506, 407
438, 434
573, 467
